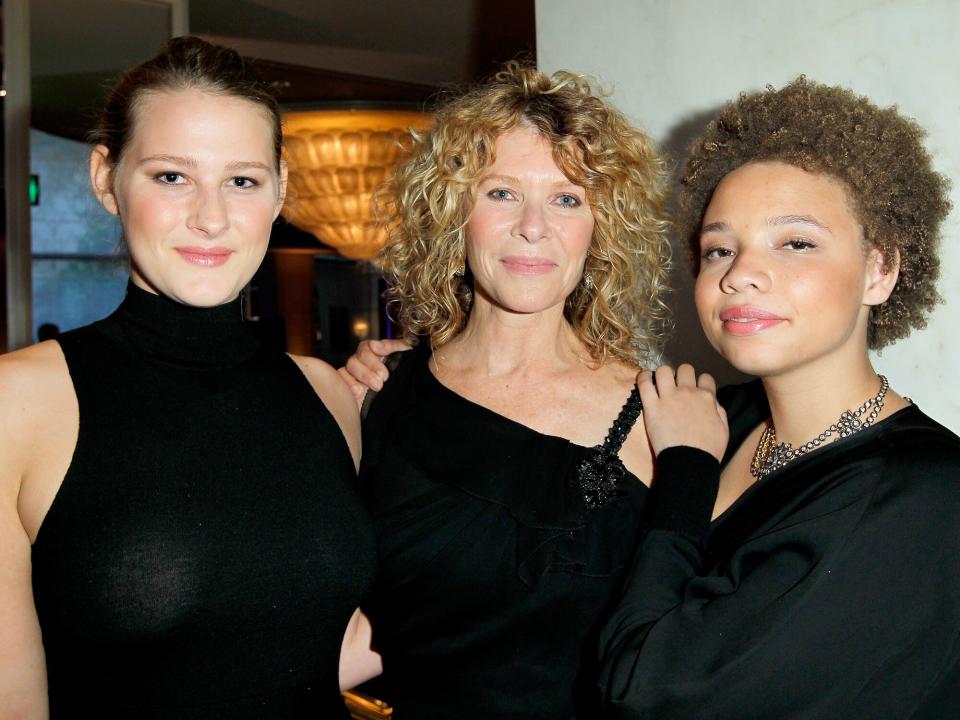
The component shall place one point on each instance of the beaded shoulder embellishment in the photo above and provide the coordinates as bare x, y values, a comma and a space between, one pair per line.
602, 473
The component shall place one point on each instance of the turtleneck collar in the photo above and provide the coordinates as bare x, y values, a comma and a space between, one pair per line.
167, 331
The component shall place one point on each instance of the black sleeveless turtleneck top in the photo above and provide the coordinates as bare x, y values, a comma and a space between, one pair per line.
207, 547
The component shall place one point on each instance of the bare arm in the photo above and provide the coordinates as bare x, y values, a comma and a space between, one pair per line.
365, 369
359, 662
23, 680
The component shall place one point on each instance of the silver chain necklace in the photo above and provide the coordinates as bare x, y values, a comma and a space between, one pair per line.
771, 455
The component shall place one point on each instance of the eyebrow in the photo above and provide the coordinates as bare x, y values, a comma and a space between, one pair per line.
797, 220
173, 159
772, 222
191, 162
511, 179
248, 164
714, 227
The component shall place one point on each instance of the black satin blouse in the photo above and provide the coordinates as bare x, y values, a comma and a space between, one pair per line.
830, 589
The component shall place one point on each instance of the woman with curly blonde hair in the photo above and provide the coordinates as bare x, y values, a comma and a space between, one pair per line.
503, 464
827, 584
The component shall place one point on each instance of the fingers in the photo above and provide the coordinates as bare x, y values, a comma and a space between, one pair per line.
369, 375
666, 382
358, 389
648, 391
706, 382
369, 353
365, 367
686, 376
681, 409
383, 348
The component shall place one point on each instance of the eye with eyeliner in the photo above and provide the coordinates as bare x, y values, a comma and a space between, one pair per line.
716, 252
169, 178
243, 183
500, 194
568, 200
799, 244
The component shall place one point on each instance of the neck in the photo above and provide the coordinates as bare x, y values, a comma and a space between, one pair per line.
499, 342
157, 327
805, 401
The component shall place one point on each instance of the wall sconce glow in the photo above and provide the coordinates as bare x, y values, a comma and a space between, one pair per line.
336, 160
361, 328
3, 92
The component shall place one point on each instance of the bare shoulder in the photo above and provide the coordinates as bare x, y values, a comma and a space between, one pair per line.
35, 392
336, 395
616, 379
33, 366
622, 373
39, 421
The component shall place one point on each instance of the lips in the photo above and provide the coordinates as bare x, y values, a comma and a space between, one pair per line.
744, 320
205, 256
522, 265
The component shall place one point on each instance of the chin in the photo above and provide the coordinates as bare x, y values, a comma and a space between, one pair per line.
752, 358
530, 303
204, 294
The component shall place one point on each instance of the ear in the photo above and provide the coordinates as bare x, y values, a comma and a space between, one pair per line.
880, 280
282, 188
101, 177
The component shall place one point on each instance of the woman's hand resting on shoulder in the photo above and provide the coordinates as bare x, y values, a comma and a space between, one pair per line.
365, 369
682, 409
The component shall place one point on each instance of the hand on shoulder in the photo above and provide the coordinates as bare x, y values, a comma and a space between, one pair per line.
682, 409
365, 369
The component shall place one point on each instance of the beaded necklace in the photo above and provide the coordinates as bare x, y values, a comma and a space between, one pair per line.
771, 455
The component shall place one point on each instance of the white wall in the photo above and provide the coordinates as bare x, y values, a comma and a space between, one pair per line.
671, 63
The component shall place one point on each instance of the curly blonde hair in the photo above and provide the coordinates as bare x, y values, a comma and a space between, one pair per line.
877, 153
430, 196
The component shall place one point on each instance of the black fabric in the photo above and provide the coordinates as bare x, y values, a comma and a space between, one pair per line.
493, 573
830, 589
208, 545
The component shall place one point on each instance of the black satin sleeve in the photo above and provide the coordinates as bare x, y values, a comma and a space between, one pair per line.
829, 590
671, 553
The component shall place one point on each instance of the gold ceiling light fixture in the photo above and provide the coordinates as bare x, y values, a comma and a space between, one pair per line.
336, 160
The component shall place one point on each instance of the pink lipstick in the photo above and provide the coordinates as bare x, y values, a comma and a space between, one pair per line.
205, 256
745, 320
522, 265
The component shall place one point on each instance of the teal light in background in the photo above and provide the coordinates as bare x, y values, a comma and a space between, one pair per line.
34, 191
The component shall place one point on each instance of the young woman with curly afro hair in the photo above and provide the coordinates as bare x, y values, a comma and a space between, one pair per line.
815, 571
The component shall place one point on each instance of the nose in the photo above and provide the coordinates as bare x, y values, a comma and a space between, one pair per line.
531, 223
746, 272
209, 214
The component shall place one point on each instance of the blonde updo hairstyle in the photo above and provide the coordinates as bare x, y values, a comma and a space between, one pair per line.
430, 196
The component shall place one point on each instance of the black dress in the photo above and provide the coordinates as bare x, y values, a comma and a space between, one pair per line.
207, 546
830, 589
493, 571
